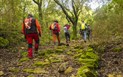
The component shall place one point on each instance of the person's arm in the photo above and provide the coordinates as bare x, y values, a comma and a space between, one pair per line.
50, 27
38, 27
58, 27
23, 31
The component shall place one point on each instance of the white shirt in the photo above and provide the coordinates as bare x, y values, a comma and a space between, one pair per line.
65, 29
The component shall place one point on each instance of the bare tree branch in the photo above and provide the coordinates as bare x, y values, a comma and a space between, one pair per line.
64, 10
74, 9
36, 2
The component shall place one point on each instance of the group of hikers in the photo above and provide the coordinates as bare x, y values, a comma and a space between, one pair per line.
32, 31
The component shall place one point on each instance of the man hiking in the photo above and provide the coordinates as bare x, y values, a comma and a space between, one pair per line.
32, 30
55, 28
67, 34
83, 31
89, 32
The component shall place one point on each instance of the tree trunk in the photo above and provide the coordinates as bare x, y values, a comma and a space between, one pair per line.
74, 30
40, 13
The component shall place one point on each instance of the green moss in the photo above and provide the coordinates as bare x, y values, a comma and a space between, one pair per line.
89, 49
40, 63
56, 61
77, 55
41, 53
85, 72
23, 59
13, 69
39, 71
92, 55
24, 53
59, 50
117, 49
86, 60
68, 70
28, 70
63, 67
77, 47
60, 47
49, 51
79, 51
69, 53
31, 75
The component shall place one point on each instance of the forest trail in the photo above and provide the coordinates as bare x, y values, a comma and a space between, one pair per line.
59, 61
51, 61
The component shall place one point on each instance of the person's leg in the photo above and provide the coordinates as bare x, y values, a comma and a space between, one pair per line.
29, 40
85, 36
36, 38
58, 38
87, 33
69, 37
54, 39
82, 34
66, 37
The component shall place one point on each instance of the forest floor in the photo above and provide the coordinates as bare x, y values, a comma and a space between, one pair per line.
60, 61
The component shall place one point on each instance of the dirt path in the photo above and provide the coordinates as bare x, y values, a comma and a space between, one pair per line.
51, 61
58, 61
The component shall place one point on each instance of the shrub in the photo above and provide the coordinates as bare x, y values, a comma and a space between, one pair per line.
3, 42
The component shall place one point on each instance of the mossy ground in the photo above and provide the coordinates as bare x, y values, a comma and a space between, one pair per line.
78, 59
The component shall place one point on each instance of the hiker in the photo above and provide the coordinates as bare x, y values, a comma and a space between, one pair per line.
89, 32
83, 31
67, 34
32, 30
55, 28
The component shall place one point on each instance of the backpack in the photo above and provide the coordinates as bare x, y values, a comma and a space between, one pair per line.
27, 23
30, 26
54, 27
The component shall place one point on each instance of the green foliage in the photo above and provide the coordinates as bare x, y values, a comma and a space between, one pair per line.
107, 21
3, 42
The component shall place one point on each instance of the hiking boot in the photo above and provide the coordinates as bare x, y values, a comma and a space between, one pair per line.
30, 54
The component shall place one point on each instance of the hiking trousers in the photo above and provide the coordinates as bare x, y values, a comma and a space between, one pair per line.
67, 36
56, 36
84, 35
29, 38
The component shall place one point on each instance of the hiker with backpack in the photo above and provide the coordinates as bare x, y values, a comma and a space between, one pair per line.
32, 30
83, 31
89, 32
67, 34
55, 28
